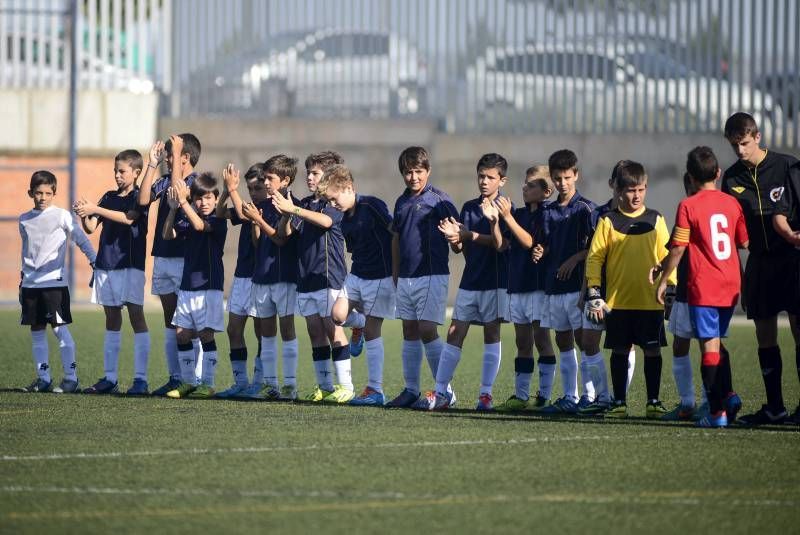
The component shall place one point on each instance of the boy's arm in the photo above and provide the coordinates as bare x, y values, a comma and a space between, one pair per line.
88, 210
254, 214
519, 233
663, 237
230, 176
285, 206
80, 239
155, 156
596, 256
176, 173
668, 266
395, 256
284, 226
490, 212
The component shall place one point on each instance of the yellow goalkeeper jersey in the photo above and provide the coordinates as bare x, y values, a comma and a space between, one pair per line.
628, 245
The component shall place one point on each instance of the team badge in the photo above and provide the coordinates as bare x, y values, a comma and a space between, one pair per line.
738, 189
775, 194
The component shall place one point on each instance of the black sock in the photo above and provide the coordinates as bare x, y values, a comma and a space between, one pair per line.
547, 359
724, 372
769, 358
523, 365
321, 353
652, 375
619, 375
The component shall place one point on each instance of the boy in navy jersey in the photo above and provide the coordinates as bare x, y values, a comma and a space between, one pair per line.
526, 291
199, 310
366, 226
322, 270
168, 254
419, 256
482, 296
274, 279
119, 270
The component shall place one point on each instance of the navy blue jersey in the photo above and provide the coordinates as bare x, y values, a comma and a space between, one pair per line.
122, 246
566, 231
274, 263
485, 268
523, 274
423, 248
368, 238
246, 252
320, 251
161, 247
202, 261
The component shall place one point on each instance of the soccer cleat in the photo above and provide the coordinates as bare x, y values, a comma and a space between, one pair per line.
169, 386
234, 391
584, 402
513, 404
138, 388
763, 416
681, 413
713, 420
318, 394
288, 393
339, 395
404, 400
539, 403
251, 392
268, 393
618, 410
560, 406
655, 410
484, 403
701, 411
796, 415
38, 385
103, 386
596, 408
434, 401
68, 386
201, 392
181, 391
356, 341
369, 397
733, 404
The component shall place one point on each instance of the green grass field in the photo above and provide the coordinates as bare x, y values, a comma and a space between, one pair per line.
75, 463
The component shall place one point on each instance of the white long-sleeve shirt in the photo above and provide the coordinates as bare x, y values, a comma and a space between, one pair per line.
44, 246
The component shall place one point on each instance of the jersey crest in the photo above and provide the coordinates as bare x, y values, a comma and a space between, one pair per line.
775, 194
738, 189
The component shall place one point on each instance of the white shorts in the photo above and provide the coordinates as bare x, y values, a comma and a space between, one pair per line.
563, 312
115, 287
200, 310
422, 298
167, 275
680, 323
377, 296
319, 302
279, 299
240, 300
484, 306
525, 308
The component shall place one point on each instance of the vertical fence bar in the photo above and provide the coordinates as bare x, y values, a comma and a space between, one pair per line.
27, 72
94, 67
796, 85
105, 81
712, 61
116, 18
785, 117
770, 89
141, 40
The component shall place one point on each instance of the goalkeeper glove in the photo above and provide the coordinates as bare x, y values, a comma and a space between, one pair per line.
595, 309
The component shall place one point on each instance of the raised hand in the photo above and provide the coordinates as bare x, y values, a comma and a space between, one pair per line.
537, 253
230, 175
84, 208
156, 153
490, 210
173, 199
451, 229
177, 145
282, 204
181, 191
251, 211
503, 205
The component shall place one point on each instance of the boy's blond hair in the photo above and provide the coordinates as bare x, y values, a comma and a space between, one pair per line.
336, 178
540, 174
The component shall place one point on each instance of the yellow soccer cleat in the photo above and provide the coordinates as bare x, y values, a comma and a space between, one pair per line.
318, 395
181, 391
339, 395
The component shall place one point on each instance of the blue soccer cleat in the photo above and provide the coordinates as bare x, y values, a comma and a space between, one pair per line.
369, 397
560, 406
138, 388
484, 403
584, 402
404, 400
234, 391
103, 386
169, 386
38, 385
713, 420
733, 404
356, 341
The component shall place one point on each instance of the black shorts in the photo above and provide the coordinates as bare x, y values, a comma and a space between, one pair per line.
771, 285
41, 306
644, 328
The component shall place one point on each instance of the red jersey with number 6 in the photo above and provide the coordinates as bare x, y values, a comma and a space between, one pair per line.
711, 224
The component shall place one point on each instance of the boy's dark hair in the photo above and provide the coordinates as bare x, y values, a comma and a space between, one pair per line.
628, 173
204, 183
43, 177
562, 160
131, 157
702, 164
413, 158
284, 166
739, 126
191, 147
493, 161
323, 160
687, 183
256, 172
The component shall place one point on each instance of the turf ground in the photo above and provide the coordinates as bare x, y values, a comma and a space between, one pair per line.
75, 463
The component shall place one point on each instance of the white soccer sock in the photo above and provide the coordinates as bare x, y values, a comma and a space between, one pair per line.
433, 351
141, 355
67, 346
522, 385
547, 377
324, 373
587, 385
344, 373
569, 374
451, 355
355, 319
492, 353
41, 354
374, 349
411, 354
171, 353
111, 346
186, 361
209, 363
239, 371
631, 368
198, 356
682, 371
269, 360
289, 353
597, 370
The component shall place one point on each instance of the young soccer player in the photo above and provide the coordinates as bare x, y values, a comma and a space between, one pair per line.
627, 242
169, 254
712, 226
482, 294
419, 256
43, 292
119, 271
366, 224
322, 270
526, 295
199, 311
567, 227
771, 280
274, 280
